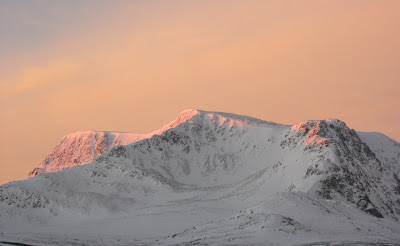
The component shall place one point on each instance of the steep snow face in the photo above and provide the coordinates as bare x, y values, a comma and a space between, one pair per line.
82, 148
209, 161
385, 149
209, 149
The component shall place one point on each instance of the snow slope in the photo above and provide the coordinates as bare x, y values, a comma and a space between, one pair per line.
200, 178
82, 148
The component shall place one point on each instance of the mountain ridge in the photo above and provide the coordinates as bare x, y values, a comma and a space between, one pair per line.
93, 143
206, 161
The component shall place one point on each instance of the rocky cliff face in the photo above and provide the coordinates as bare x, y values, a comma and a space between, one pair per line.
349, 169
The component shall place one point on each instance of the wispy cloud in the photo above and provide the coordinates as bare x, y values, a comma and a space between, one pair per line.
33, 78
53, 73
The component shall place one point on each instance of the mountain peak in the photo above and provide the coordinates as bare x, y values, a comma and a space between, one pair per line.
317, 131
184, 116
218, 118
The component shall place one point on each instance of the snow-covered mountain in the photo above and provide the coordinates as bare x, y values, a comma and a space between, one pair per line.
212, 177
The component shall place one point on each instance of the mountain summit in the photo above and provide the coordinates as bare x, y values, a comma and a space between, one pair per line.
210, 177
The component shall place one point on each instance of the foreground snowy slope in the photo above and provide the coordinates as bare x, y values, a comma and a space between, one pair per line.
209, 170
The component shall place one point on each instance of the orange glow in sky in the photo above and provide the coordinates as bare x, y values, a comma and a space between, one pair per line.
132, 66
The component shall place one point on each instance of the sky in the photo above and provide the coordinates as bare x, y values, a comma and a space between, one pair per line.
132, 66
